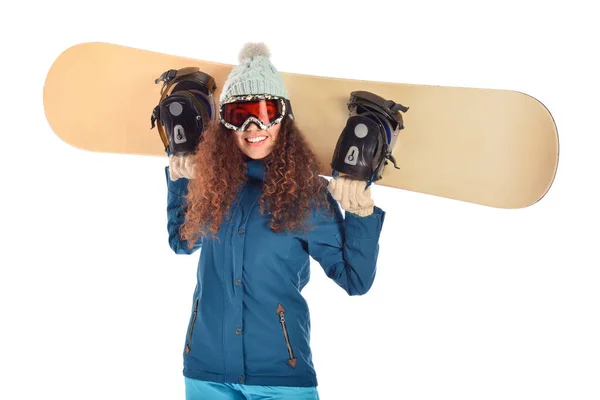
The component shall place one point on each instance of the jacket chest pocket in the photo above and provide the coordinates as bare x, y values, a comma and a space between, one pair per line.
188, 342
281, 315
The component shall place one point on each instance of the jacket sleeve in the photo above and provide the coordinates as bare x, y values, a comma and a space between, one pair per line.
347, 248
176, 191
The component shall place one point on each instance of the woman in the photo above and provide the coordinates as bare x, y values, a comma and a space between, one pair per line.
252, 199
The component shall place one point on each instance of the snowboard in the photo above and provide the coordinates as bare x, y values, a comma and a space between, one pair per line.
490, 147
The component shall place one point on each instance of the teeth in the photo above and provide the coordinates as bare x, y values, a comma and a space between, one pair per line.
256, 139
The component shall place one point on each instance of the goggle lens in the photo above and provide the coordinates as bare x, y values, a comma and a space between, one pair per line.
266, 110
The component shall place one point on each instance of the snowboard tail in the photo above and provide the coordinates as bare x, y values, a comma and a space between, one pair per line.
497, 148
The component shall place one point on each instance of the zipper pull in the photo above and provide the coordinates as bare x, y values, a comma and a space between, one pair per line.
280, 310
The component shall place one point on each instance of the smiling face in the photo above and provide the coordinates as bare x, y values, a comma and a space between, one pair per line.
257, 143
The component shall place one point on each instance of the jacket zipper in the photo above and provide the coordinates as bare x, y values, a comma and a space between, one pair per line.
188, 346
281, 312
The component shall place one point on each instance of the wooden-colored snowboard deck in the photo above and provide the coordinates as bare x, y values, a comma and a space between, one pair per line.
491, 147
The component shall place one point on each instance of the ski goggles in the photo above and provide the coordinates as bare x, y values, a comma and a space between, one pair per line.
264, 110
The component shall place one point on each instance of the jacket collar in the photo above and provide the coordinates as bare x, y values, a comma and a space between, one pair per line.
256, 169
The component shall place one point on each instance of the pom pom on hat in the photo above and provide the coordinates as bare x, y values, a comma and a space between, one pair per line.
251, 50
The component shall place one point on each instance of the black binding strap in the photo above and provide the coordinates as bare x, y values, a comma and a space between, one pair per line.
170, 78
365, 135
386, 107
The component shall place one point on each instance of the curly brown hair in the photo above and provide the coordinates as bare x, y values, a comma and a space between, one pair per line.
292, 186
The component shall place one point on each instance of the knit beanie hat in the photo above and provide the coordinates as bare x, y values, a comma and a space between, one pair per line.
254, 75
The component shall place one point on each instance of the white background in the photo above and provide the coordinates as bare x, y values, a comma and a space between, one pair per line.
470, 302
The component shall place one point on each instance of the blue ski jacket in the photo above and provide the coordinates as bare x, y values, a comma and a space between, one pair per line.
249, 322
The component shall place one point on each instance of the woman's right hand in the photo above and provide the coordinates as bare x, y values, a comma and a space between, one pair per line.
181, 166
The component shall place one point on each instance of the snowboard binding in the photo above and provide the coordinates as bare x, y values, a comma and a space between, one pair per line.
186, 106
366, 143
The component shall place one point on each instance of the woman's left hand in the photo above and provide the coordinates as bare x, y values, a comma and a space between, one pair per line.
351, 194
